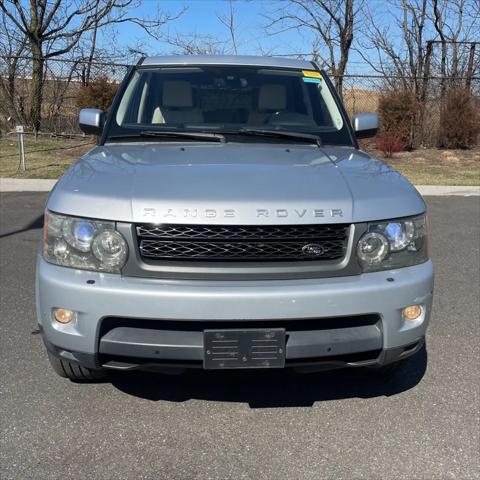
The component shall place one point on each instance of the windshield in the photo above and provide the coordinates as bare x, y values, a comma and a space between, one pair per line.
227, 100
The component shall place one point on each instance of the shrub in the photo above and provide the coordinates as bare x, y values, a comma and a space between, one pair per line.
397, 110
98, 93
391, 141
459, 120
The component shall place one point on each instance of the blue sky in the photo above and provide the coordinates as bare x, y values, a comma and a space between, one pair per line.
201, 18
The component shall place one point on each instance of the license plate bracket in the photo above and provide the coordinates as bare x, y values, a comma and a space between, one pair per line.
244, 348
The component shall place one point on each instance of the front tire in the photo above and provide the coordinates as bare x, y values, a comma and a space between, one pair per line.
74, 371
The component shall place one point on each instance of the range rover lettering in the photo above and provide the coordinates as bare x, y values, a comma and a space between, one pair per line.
227, 219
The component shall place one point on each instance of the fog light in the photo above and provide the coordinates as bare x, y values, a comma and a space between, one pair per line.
412, 312
63, 315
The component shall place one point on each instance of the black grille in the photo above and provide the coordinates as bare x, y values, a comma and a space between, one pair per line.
242, 243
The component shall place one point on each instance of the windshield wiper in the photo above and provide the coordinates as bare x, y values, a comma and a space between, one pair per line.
262, 132
207, 136
204, 136
219, 137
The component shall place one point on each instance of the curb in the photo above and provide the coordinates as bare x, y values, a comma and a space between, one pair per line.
26, 184
448, 190
43, 185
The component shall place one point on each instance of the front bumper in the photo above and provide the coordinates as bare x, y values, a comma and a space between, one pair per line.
142, 306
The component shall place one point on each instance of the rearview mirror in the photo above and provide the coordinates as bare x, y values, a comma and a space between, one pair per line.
91, 120
365, 125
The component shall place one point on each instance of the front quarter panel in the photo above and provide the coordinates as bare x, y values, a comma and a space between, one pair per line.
376, 187
99, 185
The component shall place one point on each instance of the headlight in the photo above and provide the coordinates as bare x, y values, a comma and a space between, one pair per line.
83, 243
373, 248
393, 244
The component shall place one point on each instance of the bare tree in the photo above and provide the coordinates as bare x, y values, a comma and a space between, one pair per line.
93, 47
439, 27
331, 21
399, 47
406, 47
12, 45
401, 57
228, 20
454, 21
55, 28
196, 44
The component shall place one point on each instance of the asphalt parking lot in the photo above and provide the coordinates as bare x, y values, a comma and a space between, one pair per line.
421, 423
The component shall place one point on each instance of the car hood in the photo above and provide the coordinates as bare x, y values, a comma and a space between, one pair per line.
233, 183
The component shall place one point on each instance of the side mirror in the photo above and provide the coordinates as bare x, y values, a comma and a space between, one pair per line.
365, 125
91, 120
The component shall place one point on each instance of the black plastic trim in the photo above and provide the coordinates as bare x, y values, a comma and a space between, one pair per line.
340, 105
88, 360
185, 345
361, 359
184, 339
370, 359
367, 133
297, 324
91, 130
115, 104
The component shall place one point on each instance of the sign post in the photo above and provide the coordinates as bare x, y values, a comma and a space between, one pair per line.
21, 146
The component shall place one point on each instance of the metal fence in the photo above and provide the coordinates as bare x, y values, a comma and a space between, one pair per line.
62, 85
64, 79
362, 93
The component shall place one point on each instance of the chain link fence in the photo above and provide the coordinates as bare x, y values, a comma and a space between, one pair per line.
62, 86
362, 93
64, 79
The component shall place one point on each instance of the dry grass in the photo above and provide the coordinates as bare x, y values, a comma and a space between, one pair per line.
45, 157
437, 167
358, 100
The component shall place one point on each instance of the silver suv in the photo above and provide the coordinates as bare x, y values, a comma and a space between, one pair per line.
228, 219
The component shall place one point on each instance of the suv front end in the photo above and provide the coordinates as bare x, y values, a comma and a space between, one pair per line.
226, 248
369, 307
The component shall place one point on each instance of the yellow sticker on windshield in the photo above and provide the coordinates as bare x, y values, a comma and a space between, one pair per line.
311, 74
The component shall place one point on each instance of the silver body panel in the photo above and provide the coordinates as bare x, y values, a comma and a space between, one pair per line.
365, 121
91, 117
233, 183
114, 295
